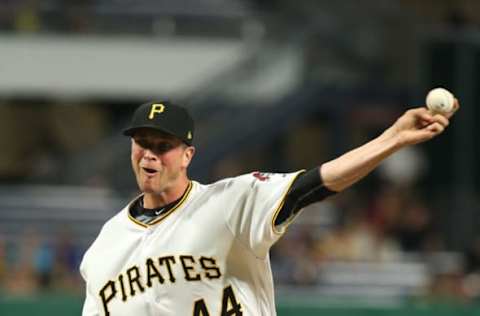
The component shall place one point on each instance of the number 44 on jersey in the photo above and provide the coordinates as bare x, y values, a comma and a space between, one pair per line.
230, 306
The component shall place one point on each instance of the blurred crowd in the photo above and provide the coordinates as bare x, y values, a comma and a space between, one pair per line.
36, 264
47, 134
92, 16
392, 225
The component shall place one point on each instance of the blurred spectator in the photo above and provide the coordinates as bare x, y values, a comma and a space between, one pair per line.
386, 208
448, 288
20, 140
71, 16
74, 127
472, 279
3, 260
27, 18
21, 278
67, 262
38, 137
473, 256
292, 258
44, 258
41, 264
415, 229
447, 284
299, 141
6, 16
355, 240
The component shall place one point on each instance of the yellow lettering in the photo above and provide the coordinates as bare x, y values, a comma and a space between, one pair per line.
156, 109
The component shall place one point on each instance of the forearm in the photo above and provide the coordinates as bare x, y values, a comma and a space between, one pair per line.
342, 172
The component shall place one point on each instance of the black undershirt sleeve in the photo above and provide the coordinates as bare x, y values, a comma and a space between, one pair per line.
307, 189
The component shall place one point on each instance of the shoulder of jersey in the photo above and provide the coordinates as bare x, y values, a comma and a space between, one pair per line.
244, 179
110, 226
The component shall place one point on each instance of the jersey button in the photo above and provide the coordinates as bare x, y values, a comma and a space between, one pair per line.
158, 299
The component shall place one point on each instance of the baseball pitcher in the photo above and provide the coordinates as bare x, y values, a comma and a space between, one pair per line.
186, 248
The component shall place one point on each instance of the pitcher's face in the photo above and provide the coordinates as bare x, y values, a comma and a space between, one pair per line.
158, 160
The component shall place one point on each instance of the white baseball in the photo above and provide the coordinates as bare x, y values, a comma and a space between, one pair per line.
440, 100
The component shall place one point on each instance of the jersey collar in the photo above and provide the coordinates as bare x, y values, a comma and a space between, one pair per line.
165, 214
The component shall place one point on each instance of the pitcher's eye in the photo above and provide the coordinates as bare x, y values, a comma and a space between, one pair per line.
157, 148
162, 147
142, 143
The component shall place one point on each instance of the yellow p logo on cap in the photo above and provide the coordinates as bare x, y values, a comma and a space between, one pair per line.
156, 109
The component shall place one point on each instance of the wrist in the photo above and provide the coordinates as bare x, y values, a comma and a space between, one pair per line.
393, 138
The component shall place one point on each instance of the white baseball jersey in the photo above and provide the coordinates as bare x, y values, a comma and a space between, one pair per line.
208, 255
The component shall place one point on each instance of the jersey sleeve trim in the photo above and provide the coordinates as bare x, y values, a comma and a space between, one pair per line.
282, 202
161, 218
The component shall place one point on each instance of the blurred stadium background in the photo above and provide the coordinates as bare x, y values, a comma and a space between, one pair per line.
275, 86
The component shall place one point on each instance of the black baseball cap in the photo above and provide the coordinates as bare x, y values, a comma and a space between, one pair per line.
163, 116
